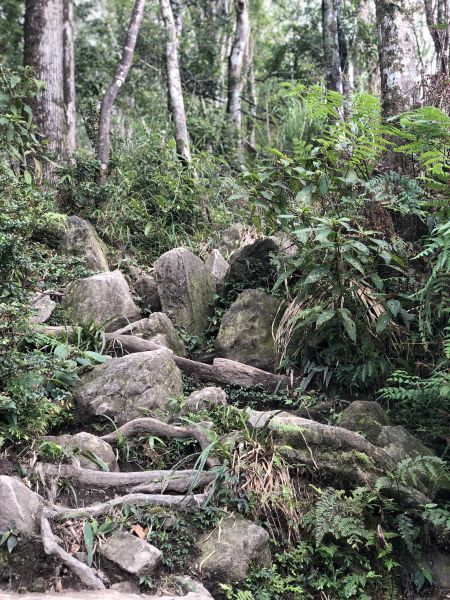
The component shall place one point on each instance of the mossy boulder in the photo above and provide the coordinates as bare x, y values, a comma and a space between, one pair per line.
364, 417
245, 333
80, 239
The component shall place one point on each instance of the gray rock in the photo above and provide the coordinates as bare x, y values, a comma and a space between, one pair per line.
245, 333
19, 507
130, 553
218, 268
101, 298
440, 568
128, 587
365, 417
231, 239
80, 239
42, 306
133, 386
185, 289
227, 553
399, 443
157, 328
82, 445
206, 399
146, 288
110, 594
251, 260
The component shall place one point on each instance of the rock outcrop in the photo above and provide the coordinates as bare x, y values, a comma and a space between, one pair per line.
131, 554
218, 268
185, 289
136, 385
42, 306
102, 298
19, 507
80, 239
252, 261
87, 448
146, 288
231, 549
366, 417
245, 333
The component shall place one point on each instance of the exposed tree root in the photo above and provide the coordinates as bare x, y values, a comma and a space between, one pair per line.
154, 481
51, 547
186, 503
148, 425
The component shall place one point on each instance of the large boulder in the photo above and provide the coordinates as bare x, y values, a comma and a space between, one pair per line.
218, 269
136, 385
102, 298
19, 507
253, 262
80, 239
87, 448
140, 558
399, 443
185, 289
245, 333
157, 328
146, 288
231, 549
365, 417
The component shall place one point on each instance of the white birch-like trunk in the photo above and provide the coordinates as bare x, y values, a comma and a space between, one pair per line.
397, 56
252, 97
174, 82
236, 68
438, 22
104, 125
48, 48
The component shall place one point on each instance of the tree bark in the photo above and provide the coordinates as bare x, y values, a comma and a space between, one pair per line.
48, 48
236, 69
330, 33
104, 125
397, 56
251, 83
438, 23
174, 81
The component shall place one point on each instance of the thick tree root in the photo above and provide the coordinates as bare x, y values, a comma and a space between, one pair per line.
185, 503
148, 425
51, 547
154, 481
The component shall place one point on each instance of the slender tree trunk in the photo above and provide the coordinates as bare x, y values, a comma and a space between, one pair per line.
251, 83
69, 75
397, 56
438, 22
104, 124
332, 57
236, 69
48, 48
174, 82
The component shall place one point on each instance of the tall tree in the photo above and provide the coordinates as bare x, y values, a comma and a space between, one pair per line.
397, 55
48, 48
331, 46
236, 67
104, 124
438, 21
174, 87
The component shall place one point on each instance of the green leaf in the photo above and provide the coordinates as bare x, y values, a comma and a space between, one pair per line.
11, 542
324, 316
394, 307
382, 322
95, 356
349, 323
27, 176
316, 275
88, 535
61, 351
323, 185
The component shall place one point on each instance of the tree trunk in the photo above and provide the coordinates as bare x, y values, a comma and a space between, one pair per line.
397, 56
174, 82
438, 22
69, 75
48, 48
110, 96
251, 82
330, 33
236, 68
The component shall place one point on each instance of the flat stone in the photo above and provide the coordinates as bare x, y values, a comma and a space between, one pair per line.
137, 385
102, 299
42, 306
218, 268
399, 443
130, 553
206, 399
185, 289
110, 594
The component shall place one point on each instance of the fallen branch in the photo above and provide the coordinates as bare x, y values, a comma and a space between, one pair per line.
148, 425
187, 503
221, 371
156, 481
51, 547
